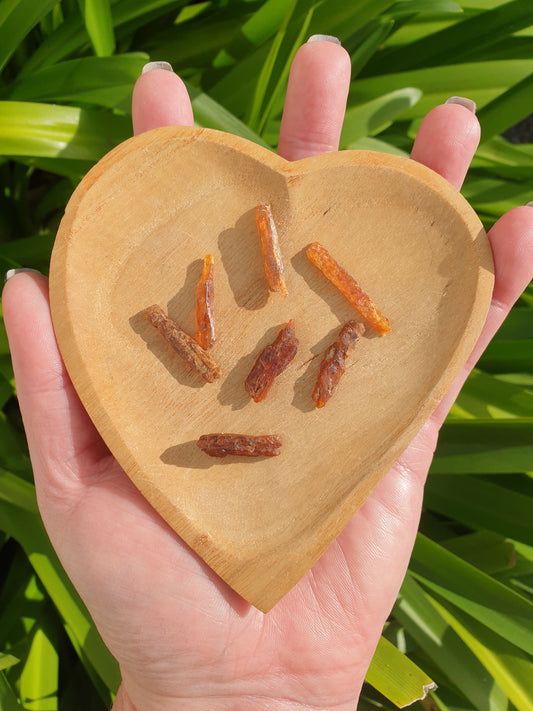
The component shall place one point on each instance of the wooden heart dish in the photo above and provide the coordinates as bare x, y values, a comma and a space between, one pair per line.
135, 233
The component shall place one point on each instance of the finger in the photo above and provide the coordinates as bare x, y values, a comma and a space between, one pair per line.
314, 109
447, 140
160, 98
511, 239
57, 426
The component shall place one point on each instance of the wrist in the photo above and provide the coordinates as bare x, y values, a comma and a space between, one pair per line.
124, 703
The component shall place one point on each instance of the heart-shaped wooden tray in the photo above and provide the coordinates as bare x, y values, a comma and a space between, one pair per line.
135, 233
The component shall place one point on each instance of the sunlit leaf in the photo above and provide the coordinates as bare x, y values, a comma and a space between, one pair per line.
483, 598
396, 676
99, 24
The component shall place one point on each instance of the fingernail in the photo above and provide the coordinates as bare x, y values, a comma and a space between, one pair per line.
529, 204
324, 38
12, 272
157, 65
462, 101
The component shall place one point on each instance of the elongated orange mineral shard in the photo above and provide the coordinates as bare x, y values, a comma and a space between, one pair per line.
347, 285
205, 305
268, 234
333, 363
185, 346
271, 362
224, 444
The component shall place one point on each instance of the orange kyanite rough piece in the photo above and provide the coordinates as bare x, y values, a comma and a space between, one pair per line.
185, 346
272, 261
333, 364
347, 285
205, 305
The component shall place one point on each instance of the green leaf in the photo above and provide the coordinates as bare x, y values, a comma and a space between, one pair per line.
17, 17
484, 446
483, 598
484, 396
342, 19
8, 699
481, 81
255, 30
210, 114
18, 492
23, 602
275, 70
506, 110
71, 36
458, 41
441, 644
373, 117
504, 356
28, 530
28, 129
408, 7
396, 677
368, 143
104, 81
511, 668
7, 661
29, 251
362, 45
485, 550
99, 24
517, 325
497, 508
39, 678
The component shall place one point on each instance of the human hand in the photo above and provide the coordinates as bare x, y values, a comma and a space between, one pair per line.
183, 639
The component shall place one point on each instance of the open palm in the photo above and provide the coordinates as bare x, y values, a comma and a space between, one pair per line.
182, 637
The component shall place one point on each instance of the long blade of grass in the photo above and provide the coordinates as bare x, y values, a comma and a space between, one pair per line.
485, 550
508, 356
17, 17
506, 110
481, 81
408, 7
441, 644
276, 67
103, 81
517, 325
71, 36
484, 396
342, 19
8, 699
480, 596
22, 600
17, 491
28, 530
484, 446
39, 680
258, 28
362, 45
396, 677
512, 669
482, 504
461, 40
32, 129
99, 24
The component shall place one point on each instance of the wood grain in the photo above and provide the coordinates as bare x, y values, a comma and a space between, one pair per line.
135, 233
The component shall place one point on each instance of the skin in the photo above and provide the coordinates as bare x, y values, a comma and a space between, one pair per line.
183, 639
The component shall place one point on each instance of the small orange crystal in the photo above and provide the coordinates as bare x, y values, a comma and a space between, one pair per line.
205, 303
268, 235
347, 285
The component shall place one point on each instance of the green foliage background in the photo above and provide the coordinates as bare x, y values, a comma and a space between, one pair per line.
465, 612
